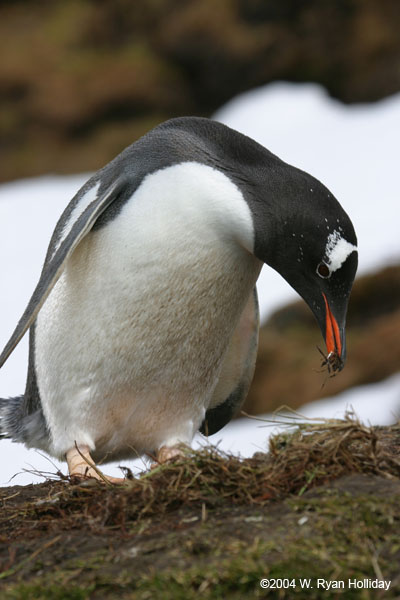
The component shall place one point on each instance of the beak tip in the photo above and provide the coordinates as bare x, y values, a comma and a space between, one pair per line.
335, 339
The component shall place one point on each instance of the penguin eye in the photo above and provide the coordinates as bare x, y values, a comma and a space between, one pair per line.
323, 270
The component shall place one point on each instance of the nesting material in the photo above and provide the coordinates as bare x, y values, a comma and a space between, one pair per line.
312, 454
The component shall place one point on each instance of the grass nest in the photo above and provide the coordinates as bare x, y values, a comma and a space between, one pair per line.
311, 454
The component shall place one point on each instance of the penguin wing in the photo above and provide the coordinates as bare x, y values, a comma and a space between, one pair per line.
237, 370
54, 265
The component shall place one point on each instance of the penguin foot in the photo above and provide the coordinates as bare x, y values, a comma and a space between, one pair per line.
82, 466
167, 454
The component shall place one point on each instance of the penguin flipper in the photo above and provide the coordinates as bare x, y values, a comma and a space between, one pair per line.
237, 370
54, 265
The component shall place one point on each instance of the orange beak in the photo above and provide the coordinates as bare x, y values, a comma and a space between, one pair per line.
332, 335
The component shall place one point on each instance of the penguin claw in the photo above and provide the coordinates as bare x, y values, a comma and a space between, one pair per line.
82, 467
90, 475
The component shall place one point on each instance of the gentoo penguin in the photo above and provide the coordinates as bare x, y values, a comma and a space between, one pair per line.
144, 323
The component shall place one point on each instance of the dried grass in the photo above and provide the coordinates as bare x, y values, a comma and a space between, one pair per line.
312, 454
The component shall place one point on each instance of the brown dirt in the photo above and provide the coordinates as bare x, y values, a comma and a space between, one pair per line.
322, 503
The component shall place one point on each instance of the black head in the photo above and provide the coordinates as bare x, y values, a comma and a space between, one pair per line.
300, 228
307, 237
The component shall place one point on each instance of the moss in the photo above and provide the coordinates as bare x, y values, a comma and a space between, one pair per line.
322, 504
41, 591
342, 536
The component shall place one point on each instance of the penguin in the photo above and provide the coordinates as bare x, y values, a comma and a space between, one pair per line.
143, 327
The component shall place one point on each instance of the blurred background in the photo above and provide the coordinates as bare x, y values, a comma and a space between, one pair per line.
80, 80
315, 81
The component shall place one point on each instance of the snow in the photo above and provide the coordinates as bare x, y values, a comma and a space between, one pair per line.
351, 149
375, 404
29, 210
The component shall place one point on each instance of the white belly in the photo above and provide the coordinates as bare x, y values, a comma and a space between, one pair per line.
130, 342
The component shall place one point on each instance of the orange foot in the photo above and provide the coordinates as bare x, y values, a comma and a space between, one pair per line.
168, 453
81, 465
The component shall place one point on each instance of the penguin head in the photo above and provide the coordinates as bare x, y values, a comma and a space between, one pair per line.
311, 242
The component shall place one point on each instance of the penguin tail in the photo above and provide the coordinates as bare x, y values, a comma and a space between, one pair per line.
20, 425
11, 416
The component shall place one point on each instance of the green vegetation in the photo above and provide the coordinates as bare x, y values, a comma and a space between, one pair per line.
323, 503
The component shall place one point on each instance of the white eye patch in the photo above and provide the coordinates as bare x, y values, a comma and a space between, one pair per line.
337, 250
